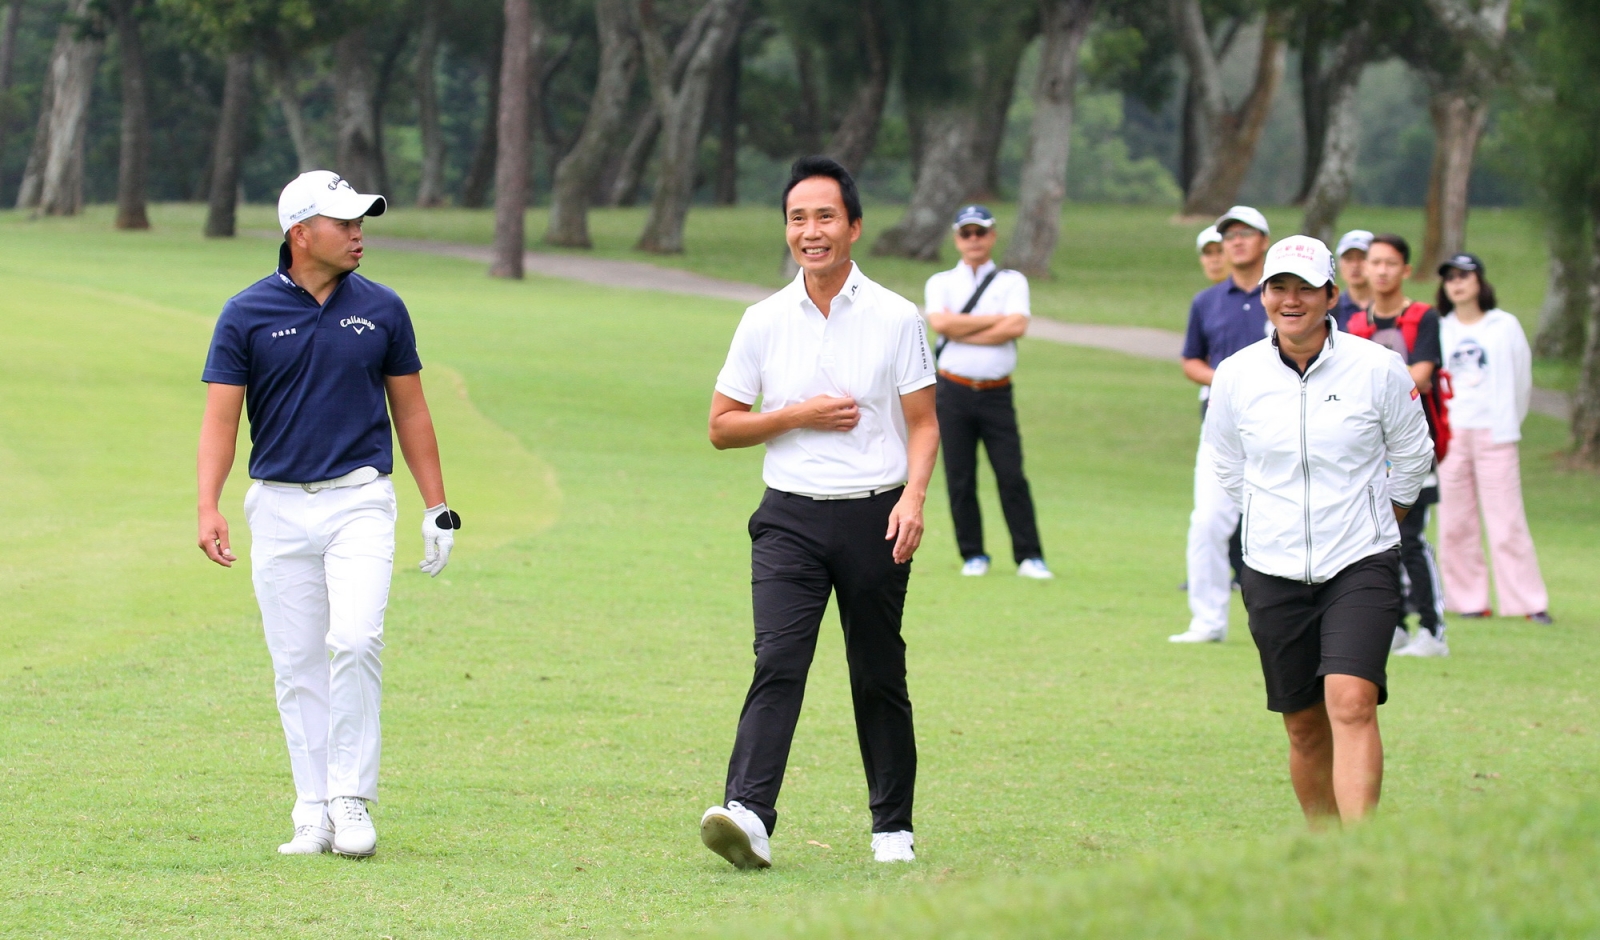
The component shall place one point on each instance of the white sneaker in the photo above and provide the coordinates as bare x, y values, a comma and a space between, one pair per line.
976, 567
737, 835
1425, 644
1198, 636
1401, 639
1034, 568
893, 846
308, 840
353, 832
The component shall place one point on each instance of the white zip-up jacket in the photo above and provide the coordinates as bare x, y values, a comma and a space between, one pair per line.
1314, 461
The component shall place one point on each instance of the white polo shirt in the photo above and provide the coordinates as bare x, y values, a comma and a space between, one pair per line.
948, 292
872, 347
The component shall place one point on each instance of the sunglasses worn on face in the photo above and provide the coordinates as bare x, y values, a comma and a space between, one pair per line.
972, 231
1456, 274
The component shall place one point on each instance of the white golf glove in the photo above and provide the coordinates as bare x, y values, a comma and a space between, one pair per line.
439, 525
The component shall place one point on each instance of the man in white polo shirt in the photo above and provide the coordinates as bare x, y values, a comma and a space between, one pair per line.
979, 310
842, 370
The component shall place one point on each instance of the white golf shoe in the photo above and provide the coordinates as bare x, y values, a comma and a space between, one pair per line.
1425, 644
736, 834
976, 567
308, 840
1198, 636
893, 846
1401, 639
1034, 568
353, 832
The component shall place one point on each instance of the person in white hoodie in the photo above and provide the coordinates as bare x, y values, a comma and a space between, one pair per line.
1320, 440
1491, 370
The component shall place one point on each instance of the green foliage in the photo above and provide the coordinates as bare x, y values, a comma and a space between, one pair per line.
1101, 169
1557, 126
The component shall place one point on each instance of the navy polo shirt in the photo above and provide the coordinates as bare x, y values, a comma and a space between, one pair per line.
1223, 320
1344, 309
313, 374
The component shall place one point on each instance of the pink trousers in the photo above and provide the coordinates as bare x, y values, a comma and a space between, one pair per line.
1481, 476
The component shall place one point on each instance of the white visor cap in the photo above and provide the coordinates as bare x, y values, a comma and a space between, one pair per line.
1303, 256
1358, 239
1247, 215
324, 192
1208, 237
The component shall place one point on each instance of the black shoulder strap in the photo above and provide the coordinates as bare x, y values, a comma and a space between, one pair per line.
971, 303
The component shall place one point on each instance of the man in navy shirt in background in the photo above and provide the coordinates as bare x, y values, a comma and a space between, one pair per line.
1223, 319
322, 356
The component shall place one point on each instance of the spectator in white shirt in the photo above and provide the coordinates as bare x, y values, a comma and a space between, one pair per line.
979, 310
844, 376
1491, 372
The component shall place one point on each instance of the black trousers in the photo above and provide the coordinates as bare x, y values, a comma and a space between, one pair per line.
1423, 592
801, 550
967, 416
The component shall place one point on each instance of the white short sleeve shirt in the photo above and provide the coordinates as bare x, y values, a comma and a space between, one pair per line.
949, 291
872, 346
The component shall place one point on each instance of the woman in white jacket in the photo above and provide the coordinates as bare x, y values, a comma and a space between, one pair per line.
1319, 438
1491, 370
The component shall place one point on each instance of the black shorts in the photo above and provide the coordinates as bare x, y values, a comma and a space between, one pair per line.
1342, 626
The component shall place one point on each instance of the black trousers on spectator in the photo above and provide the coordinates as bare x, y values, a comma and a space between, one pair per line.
1423, 592
967, 416
801, 550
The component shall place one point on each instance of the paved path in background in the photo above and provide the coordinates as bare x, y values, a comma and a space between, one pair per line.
1143, 341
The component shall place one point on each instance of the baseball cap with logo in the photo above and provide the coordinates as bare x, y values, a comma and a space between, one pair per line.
1210, 236
1357, 239
1303, 256
323, 192
1247, 215
1465, 261
973, 215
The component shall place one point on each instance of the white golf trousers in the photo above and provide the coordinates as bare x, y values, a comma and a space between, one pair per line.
321, 564
1211, 526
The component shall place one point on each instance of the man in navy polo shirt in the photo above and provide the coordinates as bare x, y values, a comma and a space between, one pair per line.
1223, 319
322, 356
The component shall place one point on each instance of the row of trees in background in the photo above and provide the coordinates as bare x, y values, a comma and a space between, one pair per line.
605, 99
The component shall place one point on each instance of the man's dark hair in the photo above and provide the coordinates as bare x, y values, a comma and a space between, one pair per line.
1393, 241
807, 167
1486, 298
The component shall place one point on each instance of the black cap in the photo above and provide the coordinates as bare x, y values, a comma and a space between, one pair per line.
1464, 261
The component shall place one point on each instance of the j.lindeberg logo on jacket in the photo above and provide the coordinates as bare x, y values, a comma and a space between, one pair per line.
361, 324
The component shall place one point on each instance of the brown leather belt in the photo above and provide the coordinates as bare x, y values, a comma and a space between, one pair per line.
977, 385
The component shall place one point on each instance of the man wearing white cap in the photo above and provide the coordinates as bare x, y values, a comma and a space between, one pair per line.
324, 357
1223, 319
1319, 439
1352, 256
1212, 259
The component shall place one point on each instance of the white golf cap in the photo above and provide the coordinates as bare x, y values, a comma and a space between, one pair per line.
1357, 239
1303, 256
324, 192
1247, 215
1208, 237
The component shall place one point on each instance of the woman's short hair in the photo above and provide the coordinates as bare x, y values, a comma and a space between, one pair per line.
1486, 298
807, 167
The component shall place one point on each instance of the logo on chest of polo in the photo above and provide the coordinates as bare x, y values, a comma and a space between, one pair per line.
289, 332
361, 324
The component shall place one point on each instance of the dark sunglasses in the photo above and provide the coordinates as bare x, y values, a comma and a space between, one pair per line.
973, 231
1456, 274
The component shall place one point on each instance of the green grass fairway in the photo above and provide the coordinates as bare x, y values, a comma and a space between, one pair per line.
560, 703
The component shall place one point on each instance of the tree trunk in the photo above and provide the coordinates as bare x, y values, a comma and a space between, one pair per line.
1330, 188
355, 121
995, 95
1227, 137
1565, 313
475, 188
134, 150
809, 133
8, 56
383, 84
727, 92
1586, 402
682, 105
280, 69
857, 134
1315, 104
635, 160
947, 175
511, 162
227, 150
579, 171
53, 181
1044, 175
1458, 121
430, 189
